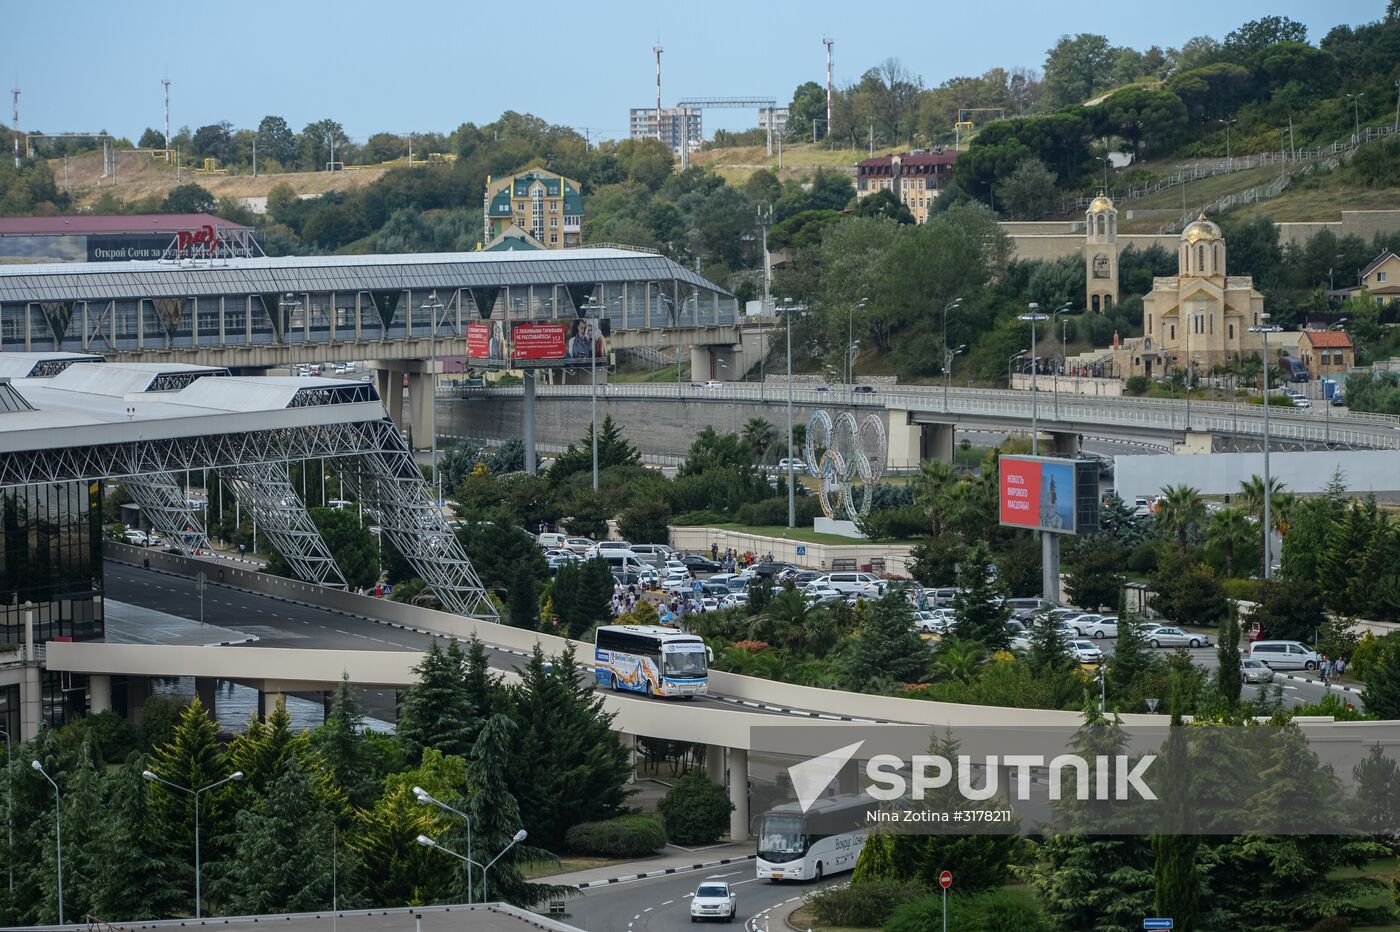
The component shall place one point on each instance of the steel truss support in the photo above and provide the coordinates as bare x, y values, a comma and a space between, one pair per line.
163, 503
263, 489
388, 482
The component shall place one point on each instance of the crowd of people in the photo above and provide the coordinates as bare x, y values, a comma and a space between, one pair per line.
733, 561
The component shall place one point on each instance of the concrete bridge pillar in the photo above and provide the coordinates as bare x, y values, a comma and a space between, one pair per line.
30, 704
714, 763
420, 408
739, 794
138, 690
99, 693
207, 689
268, 702
528, 420
905, 440
702, 366
1059, 443
1196, 441
936, 442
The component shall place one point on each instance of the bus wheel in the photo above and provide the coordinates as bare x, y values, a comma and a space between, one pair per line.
818, 875
612, 681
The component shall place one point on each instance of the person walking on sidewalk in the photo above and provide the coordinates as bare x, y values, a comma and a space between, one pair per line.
1324, 667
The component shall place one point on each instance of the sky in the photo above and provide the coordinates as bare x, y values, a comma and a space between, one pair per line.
84, 66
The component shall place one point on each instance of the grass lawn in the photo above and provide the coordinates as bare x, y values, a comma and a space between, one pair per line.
567, 865
793, 533
1323, 202
1204, 190
1382, 869
804, 918
736, 164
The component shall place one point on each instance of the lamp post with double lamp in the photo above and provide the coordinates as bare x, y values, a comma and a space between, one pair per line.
519, 836
851, 343
1356, 112
1264, 329
788, 310
1229, 161
236, 775
427, 799
58, 832
593, 306
1019, 354
948, 357
1064, 345
434, 307
1033, 314
949, 354
1327, 402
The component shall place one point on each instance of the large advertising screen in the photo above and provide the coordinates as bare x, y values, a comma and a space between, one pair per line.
527, 344
1048, 494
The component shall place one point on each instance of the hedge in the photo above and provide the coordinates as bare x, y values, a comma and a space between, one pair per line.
863, 905
629, 836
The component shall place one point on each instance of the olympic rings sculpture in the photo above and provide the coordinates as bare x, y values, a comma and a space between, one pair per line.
848, 458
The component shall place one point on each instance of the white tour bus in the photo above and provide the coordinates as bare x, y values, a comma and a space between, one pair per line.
825, 840
650, 659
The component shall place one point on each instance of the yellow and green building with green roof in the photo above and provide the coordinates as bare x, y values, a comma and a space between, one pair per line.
543, 204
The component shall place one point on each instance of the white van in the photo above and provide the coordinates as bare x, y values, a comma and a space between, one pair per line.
1285, 655
551, 541
627, 560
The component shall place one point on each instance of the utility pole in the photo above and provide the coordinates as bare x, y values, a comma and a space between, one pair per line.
656, 49
829, 43
14, 93
165, 82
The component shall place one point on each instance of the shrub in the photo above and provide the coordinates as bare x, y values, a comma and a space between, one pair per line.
696, 811
1369, 651
1241, 590
698, 518
863, 905
1332, 924
1001, 909
1143, 559
1137, 385
629, 836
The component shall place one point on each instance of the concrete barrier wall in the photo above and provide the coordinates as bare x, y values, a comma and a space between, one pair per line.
1068, 384
1363, 471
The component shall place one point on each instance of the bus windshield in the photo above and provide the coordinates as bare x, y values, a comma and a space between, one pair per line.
685, 663
780, 838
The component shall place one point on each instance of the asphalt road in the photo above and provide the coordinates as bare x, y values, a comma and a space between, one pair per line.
663, 903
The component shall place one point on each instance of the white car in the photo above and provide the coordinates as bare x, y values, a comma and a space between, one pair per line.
133, 536
580, 545
1105, 627
819, 593
798, 466
714, 900
712, 383
1086, 651
154, 540
1176, 637
1083, 621
936, 621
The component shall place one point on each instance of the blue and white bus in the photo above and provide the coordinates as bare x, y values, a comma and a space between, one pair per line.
650, 659
826, 839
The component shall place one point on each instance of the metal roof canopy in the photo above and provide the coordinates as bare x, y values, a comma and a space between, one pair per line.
105, 281
100, 421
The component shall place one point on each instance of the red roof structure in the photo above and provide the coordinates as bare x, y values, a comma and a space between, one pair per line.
1328, 339
91, 225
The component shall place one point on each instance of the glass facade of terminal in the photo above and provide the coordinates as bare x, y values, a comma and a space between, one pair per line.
51, 562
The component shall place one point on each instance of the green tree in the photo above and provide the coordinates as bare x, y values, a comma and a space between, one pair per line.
435, 712
1229, 531
1133, 659
695, 810
188, 198
807, 112
1076, 68
260, 877
151, 139
397, 869
1288, 609
886, 647
140, 877
522, 601
980, 613
194, 758
1382, 695
276, 141
1186, 591
341, 744
577, 766
613, 450
1181, 510
645, 522
1229, 676
1029, 192
1094, 579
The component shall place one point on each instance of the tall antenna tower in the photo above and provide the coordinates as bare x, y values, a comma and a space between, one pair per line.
14, 93
165, 82
828, 43
656, 49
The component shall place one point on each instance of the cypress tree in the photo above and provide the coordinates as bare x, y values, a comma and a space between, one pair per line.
1176, 882
140, 876
522, 604
981, 615
1229, 677
1382, 695
436, 712
341, 745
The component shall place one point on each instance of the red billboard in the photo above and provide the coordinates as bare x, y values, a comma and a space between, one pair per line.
1038, 492
537, 341
487, 340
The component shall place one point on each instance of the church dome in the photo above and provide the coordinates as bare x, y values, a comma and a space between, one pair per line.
1101, 203
1201, 230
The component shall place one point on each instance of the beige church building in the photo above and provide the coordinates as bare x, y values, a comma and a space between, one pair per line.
1199, 319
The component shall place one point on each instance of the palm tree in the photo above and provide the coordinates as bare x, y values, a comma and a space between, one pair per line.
1181, 508
959, 660
1252, 494
931, 487
1230, 529
758, 435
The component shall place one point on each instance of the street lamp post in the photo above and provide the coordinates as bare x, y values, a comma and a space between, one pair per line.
948, 357
1327, 402
1356, 112
1264, 329
427, 800
851, 339
792, 495
519, 836
149, 775
1033, 314
593, 385
58, 832
434, 307
1229, 161
949, 354
1064, 347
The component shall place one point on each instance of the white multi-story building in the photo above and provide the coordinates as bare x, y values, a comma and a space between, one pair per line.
675, 132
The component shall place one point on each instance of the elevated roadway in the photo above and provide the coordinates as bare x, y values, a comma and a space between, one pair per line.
1150, 422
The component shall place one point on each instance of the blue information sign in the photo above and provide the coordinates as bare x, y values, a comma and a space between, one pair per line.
1156, 923
801, 550
697, 586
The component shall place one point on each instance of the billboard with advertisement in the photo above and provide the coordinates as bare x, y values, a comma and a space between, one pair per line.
1049, 494
500, 344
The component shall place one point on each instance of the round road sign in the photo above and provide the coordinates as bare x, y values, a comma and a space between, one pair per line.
945, 879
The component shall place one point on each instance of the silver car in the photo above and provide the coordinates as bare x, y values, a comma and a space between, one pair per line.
1176, 637
1256, 671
